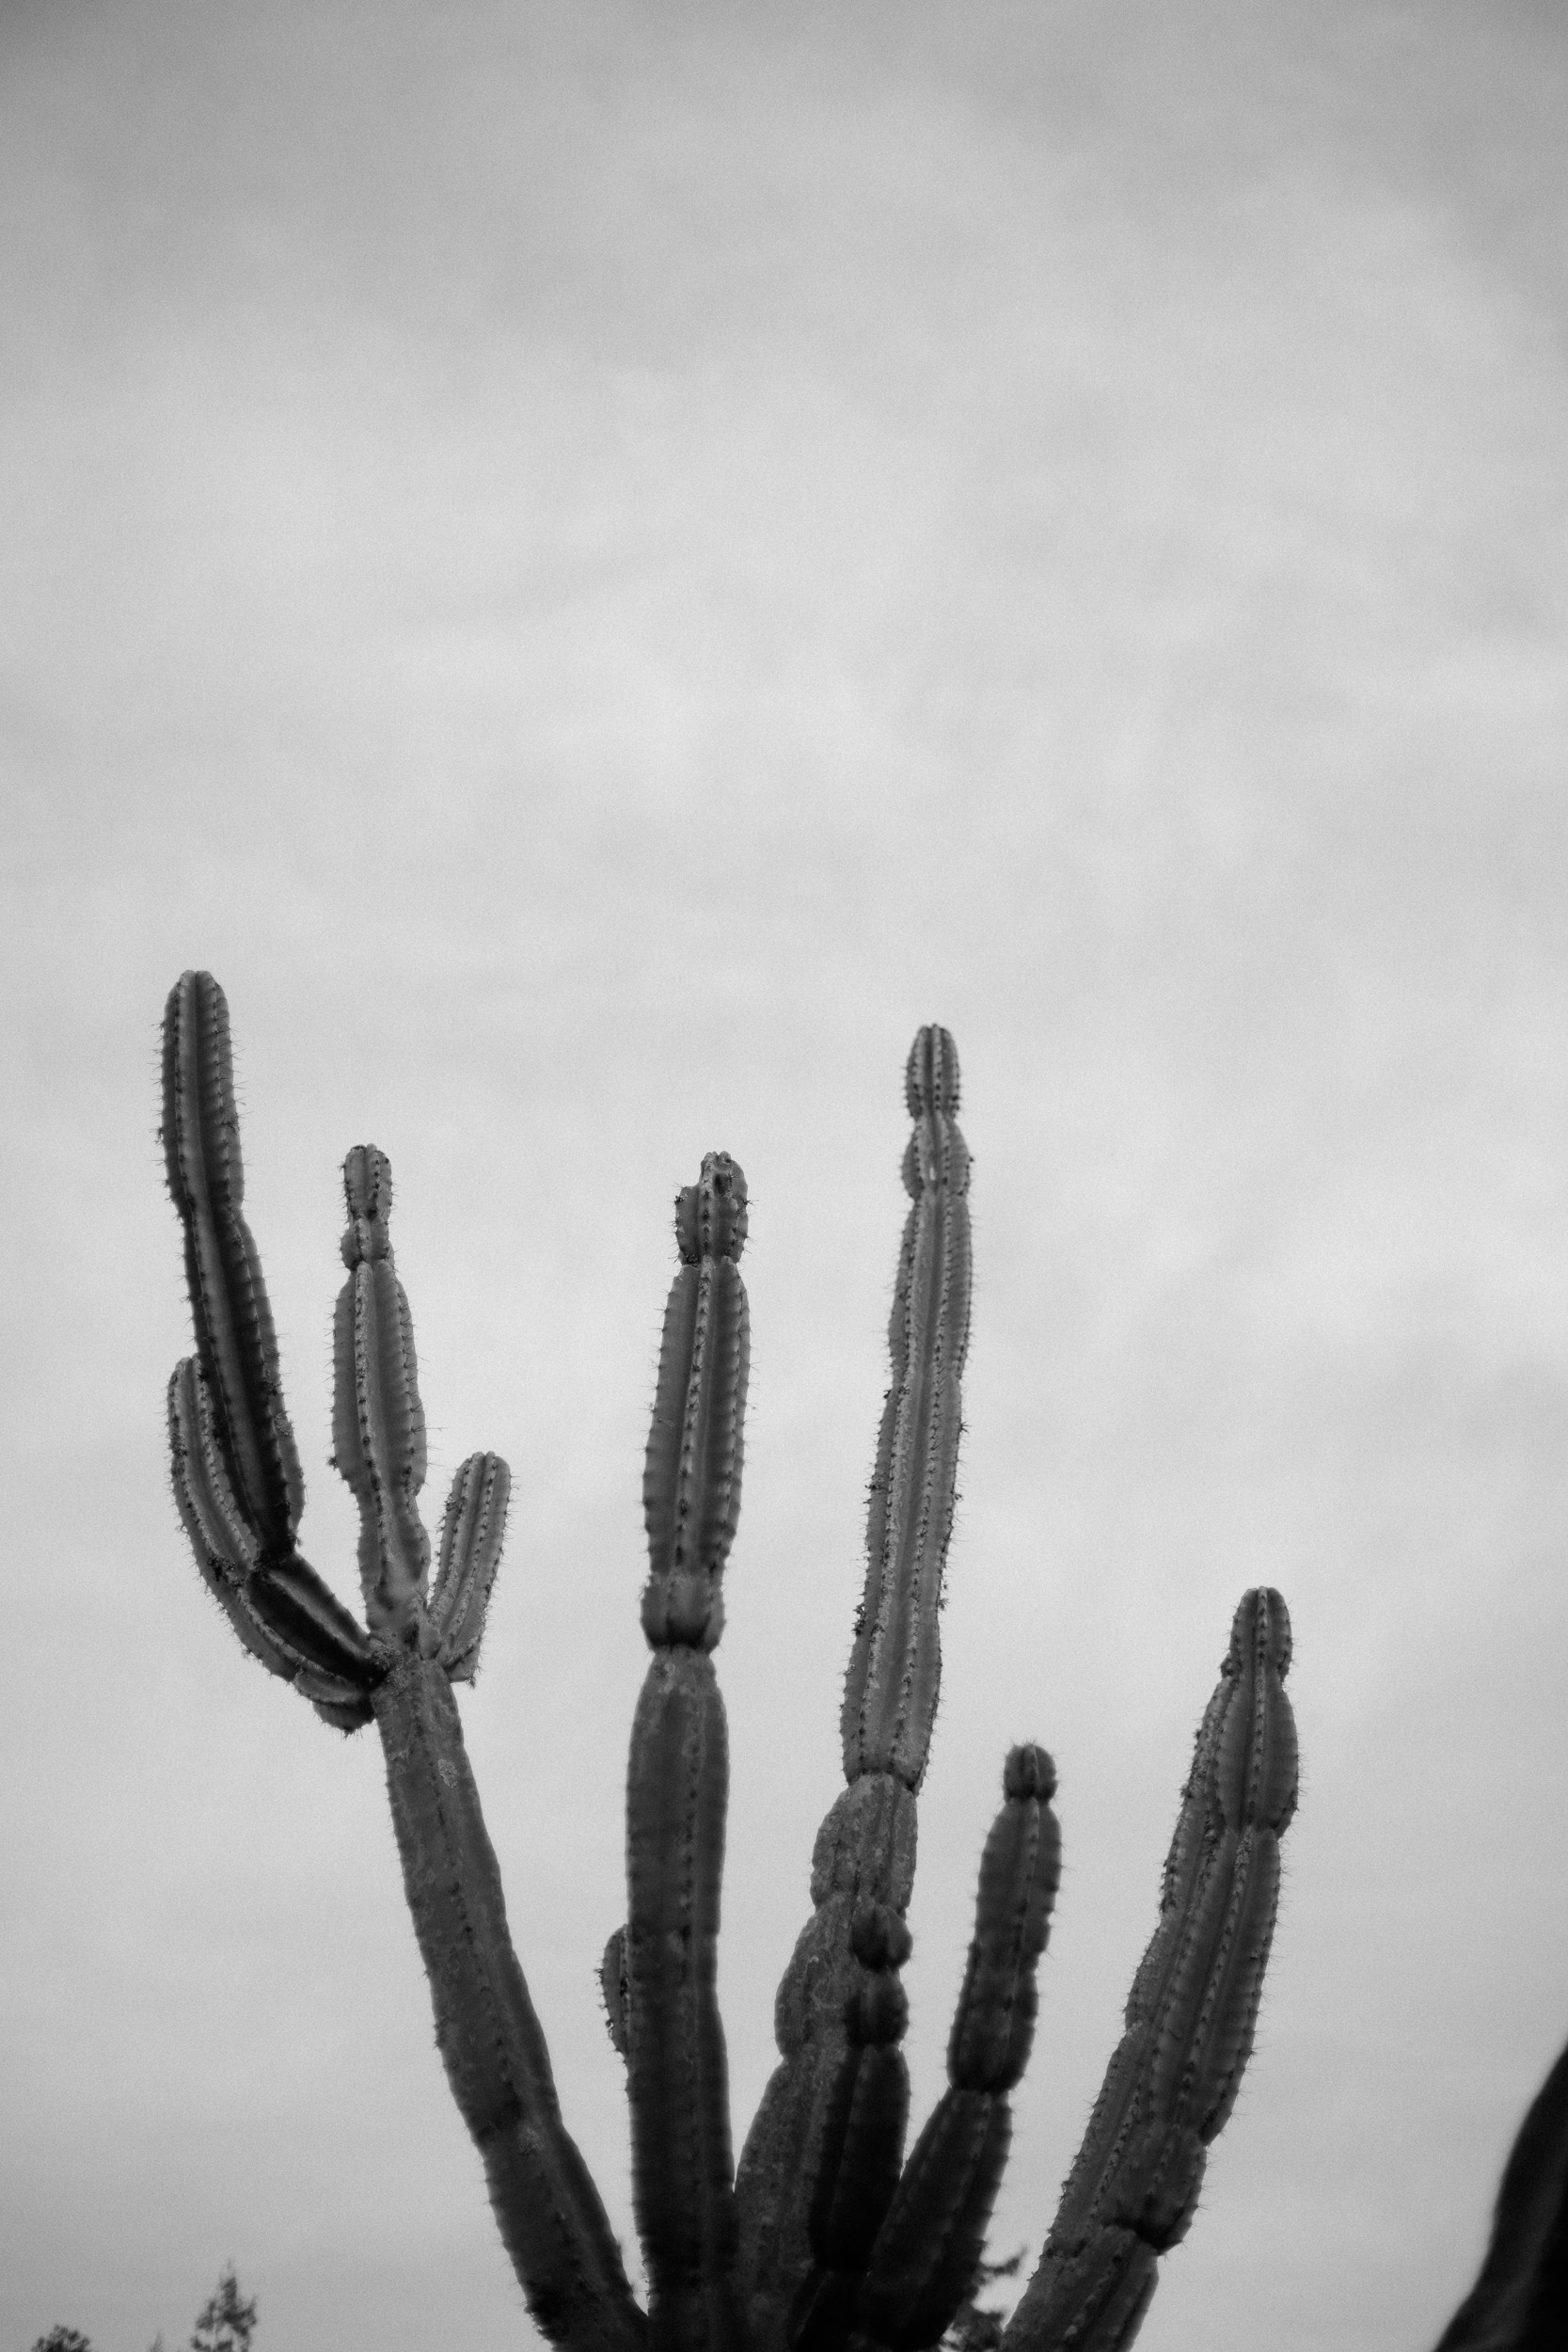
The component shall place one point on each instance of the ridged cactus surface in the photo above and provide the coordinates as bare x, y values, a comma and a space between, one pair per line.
829, 2237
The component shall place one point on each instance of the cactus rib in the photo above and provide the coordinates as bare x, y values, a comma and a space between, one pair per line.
1173, 2078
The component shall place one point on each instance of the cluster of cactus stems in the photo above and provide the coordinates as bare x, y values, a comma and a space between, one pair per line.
827, 2237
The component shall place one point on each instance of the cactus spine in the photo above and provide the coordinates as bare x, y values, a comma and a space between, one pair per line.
827, 2238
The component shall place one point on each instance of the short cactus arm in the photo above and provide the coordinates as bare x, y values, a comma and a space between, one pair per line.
471, 1535
1173, 2078
1520, 2301
678, 1785
866, 1848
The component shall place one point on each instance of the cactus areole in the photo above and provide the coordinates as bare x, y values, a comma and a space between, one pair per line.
827, 2233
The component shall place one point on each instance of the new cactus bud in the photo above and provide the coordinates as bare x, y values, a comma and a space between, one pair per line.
612, 1986
678, 1785
1173, 2078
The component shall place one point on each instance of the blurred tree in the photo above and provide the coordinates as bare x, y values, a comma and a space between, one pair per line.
226, 2322
63, 2340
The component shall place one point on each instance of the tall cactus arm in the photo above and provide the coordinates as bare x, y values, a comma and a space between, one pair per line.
236, 1473
234, 1338
677, 1783
926, 2251
548, 2210
1173, 2078
866, 1850
1520, 2301
890, 1693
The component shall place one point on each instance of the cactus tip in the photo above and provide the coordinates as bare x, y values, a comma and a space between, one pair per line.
931, 1074
1262, 1623
710, 1215
1029, 1772
368, 1195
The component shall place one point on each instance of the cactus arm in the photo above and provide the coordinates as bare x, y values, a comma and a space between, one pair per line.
927, 2251
866, 1850
235, 1342
377, 1419
549, 2214
1173, 2078
890, 1693
1519, 2303
283, 1612
863, 2135
677, 1783
471, 1536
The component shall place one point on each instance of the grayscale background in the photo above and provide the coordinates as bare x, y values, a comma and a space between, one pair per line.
599, 563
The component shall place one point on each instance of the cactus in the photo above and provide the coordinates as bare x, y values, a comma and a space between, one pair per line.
826, 2237
1520, 2301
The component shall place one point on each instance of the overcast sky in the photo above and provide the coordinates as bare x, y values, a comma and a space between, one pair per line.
599, 565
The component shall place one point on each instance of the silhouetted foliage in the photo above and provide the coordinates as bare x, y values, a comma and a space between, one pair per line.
975, 2328
226, 2322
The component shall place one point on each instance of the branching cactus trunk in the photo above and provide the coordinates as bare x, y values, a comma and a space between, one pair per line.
828, 2238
